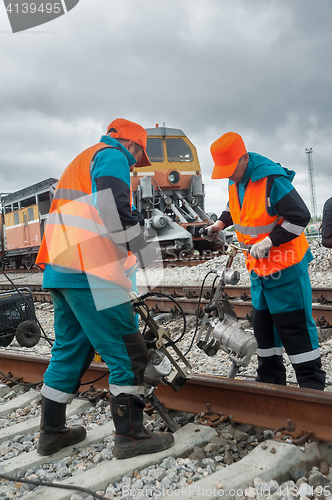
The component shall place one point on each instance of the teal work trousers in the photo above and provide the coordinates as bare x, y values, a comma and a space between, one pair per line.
282, 317
80, 329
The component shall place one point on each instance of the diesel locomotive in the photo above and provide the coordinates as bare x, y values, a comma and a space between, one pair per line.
170, 194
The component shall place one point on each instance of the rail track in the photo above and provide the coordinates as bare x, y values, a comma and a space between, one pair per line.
321, 295
32, 270
187, 296
247, 402
251, 403
172, 262
217, 391
105, 475
218, 399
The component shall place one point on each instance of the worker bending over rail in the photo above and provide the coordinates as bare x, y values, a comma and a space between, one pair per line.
90, 240
270, 217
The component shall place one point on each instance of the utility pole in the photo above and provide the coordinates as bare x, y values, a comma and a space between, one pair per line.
309, 152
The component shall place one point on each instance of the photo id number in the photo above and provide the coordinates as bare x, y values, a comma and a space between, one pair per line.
32, 8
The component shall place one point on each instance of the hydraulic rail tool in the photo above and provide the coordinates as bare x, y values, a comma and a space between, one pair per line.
220, 328
166, 363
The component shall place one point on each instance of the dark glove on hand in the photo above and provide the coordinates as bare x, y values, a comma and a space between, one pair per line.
146, 256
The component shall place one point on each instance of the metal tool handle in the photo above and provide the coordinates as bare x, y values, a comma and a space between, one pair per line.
214, 238
266, 253
203, 231
239, 249
204, 234
247, 249
163, 412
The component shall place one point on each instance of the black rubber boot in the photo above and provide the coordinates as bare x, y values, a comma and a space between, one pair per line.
54, 435
310, 374
271, 370
131, 438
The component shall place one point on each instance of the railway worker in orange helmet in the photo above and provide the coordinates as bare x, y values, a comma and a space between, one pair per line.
269, 217
90, 240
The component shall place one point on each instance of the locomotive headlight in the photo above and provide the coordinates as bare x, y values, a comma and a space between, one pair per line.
173, 177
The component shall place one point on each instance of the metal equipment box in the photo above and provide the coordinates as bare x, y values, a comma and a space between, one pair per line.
17, 317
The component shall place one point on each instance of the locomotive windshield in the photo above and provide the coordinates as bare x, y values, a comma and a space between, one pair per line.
154, 149
178, 150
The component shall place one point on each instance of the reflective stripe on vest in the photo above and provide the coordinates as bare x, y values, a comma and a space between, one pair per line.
75, 236
254, 211
255, 231
70, 194
120, 238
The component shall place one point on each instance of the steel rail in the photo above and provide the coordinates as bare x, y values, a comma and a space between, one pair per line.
242, 308
319, 294
264, 405
23, 271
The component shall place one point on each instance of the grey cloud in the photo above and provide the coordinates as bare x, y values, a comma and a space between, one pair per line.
260, 68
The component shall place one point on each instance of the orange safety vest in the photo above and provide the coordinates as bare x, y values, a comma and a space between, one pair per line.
75, 236
252, 223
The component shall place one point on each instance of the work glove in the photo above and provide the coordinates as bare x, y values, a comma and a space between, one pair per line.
261, 249
146, 256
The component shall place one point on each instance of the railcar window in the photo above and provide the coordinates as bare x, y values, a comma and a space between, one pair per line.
178, 150
44, 202
16, 218
30, 214
28, 201
154, 149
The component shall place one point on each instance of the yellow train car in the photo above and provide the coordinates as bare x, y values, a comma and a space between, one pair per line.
24, 216
22, 228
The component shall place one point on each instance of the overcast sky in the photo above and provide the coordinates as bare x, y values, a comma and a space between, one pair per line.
261, 68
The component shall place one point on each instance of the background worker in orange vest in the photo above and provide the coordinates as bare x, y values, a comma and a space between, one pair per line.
269, 217
91, 239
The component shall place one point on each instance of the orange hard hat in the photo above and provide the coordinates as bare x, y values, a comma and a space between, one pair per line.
226, 152
130, 131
